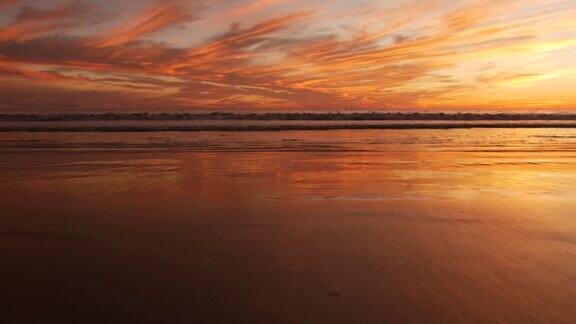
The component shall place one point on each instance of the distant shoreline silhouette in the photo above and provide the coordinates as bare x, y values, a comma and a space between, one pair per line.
281, 116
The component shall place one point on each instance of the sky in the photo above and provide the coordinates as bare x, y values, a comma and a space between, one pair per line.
162, 55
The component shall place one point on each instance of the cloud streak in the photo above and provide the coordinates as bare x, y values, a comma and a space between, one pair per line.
31, 22
156, 18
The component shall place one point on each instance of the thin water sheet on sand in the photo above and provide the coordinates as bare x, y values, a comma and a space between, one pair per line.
338, 226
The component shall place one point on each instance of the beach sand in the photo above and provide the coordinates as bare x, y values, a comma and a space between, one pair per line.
467, 226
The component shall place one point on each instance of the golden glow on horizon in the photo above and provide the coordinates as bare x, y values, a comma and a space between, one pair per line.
272, 54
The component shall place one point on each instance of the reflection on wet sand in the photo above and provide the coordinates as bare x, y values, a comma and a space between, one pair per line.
345, 226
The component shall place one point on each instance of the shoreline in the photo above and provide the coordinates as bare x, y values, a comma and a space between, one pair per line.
263, 128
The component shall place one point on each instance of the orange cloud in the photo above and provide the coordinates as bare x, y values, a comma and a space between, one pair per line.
31, 22
156, 18
7, 3
412, 56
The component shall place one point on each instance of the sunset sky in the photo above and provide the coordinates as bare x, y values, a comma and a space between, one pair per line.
285, 55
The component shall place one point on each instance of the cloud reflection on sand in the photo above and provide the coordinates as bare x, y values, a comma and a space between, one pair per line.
400, 226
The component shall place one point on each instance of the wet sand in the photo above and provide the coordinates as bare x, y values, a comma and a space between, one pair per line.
336, 226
